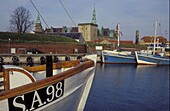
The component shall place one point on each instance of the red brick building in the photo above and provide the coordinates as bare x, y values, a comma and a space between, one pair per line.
146, 40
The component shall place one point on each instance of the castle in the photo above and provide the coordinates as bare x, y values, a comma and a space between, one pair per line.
84, 31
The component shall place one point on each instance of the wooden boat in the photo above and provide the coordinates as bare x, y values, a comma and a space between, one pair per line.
27, 89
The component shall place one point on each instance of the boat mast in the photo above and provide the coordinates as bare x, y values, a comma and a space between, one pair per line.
155, 37
118, 35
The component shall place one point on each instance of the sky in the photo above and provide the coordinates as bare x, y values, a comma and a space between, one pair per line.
131, 14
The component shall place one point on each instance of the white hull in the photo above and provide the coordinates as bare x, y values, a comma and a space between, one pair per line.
74, 88
115, 57
145, 62
151, 60
75, 92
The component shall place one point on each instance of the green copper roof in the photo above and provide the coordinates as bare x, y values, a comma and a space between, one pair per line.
94, 16
38, 20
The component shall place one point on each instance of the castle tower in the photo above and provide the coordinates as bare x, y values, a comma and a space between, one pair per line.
94, 16
38, 26
88, 30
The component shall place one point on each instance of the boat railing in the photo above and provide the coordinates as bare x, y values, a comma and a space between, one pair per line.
57, 65
47, 81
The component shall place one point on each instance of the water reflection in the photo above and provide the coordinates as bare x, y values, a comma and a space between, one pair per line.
129, 87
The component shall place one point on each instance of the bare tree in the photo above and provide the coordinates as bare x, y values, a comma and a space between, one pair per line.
21, 20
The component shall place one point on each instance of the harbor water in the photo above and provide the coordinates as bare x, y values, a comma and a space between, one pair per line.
129, 88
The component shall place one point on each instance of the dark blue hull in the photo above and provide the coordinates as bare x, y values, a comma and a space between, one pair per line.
119, 59
151, 59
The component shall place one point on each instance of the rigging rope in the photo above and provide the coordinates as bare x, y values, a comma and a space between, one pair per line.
67, 13
39, 13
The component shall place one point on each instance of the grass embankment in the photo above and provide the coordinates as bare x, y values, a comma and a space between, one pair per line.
34, 38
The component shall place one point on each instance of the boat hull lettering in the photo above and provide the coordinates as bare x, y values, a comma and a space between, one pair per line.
36, 99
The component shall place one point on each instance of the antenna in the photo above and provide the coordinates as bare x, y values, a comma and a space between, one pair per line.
39, 13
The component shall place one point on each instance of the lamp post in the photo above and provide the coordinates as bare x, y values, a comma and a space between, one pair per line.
9, 40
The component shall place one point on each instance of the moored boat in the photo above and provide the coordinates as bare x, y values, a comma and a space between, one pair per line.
30, 88
149, 59
154, 55
117, 56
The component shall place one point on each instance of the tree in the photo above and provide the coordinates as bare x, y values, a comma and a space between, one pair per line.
21, 20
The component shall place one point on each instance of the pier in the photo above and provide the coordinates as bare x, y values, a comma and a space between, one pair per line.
38, 58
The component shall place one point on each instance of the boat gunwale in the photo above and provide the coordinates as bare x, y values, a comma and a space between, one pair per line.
121, 56
118, 63
152, 57
47, 81
58, 65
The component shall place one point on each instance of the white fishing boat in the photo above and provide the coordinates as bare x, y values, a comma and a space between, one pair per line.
29, 88
154, 55
117, 56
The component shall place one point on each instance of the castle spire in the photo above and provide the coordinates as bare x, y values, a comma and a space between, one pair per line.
38, 26
94, 16
38, 20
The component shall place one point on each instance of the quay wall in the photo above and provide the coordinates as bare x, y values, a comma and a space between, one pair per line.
56, 48
8, 58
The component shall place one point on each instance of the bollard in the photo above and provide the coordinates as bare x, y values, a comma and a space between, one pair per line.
49, 66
